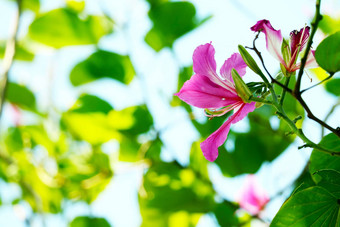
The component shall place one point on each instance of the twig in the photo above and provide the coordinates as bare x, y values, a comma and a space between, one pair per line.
283, 94
314, 26
328, 115
9, 57
327, 78
258, 53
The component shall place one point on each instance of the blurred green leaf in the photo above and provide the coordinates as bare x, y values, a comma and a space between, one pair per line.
313, 206
14, 140
262, 143
225, 214
333, 86
84, 175
171, 20
129, 150
321, 161
184, 75
70, 29
21, 53
38, 136
21, 96
329, 25
327, 54
77, 6
169, 188
33, 5
142, 120
197, 161
84, 221
91, 127
103, 64
90, 104
330, 180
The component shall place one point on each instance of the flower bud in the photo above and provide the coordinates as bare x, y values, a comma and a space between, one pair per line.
249, 60
241, 88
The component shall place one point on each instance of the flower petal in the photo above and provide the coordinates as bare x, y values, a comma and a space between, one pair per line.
210, 145
201, 92
204, 64
298, 39
242, 111
236, 62
311, 62
253, 198
273, 38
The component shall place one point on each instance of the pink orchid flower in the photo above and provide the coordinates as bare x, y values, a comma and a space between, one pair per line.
253, 198
216, 94
298, 40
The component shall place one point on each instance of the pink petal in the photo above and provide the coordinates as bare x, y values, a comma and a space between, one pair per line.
273, 38
204, 64
236, 62
298, 39
243, 110
210, 145
253, 198
201, 92
311, 62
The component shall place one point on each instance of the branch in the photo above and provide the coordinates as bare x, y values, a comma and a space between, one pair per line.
258, 53
9, 57
327, 78
314, 25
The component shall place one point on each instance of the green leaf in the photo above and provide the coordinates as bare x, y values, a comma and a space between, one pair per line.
142, 120
313, 206
21, 53
33, 5
169, 188
21, 96
329, 25
197, 161
327, 54
68, 28
251, 150
84, 175
225, 214
333, 86
330, 180
94, 128
171, 20
103, 64
84, 221
90, 104
320, 160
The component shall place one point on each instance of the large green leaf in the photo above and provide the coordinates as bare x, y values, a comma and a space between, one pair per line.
63, 27
320, 160
168, 189
103, 64
333, 86
330, 180
327, 54
170, 21
84, 221
21, 96
313, 206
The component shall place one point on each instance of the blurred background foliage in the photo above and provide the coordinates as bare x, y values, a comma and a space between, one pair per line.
58, 157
